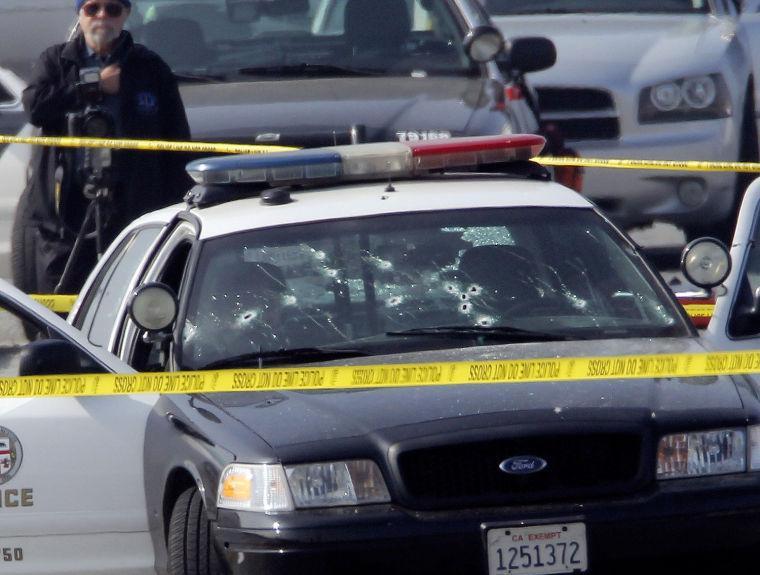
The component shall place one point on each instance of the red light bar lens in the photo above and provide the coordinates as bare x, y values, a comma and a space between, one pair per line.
438, 154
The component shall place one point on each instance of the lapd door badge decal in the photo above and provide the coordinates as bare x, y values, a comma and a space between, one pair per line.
11, 454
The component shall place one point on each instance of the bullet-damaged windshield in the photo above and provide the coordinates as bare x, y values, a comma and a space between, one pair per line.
448, 278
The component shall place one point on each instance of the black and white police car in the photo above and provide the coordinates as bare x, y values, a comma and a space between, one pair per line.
411, 253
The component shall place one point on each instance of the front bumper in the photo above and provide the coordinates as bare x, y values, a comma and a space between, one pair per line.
683, 523
632, 196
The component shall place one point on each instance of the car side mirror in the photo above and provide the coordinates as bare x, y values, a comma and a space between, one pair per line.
529, 54
55, 356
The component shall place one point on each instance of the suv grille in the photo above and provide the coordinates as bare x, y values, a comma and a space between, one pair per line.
579, 113
466, 474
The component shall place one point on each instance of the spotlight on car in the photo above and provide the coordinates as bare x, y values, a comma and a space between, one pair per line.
153, 307
706, 262
484, 43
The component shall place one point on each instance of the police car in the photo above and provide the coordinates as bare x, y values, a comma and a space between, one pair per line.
420, 252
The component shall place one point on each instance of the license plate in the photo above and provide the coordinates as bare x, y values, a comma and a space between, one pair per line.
537, 550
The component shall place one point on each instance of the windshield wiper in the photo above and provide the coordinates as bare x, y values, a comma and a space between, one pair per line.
500, 332
306, 69
282, 356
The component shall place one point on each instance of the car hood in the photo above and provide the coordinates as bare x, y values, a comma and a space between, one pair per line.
302, 108
614, 49
289, 419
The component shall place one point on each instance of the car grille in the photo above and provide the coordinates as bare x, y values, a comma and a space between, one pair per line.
580, 113
588, 465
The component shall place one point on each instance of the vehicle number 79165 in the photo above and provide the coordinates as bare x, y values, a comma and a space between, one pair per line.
537, 550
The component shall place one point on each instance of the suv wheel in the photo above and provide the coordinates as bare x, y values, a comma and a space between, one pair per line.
191, 544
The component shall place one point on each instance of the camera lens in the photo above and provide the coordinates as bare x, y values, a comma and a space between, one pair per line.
97, 124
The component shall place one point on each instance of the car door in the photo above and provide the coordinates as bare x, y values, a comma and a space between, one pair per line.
736, 320
72, 497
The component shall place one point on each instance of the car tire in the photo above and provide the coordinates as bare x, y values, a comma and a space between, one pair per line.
190, 544
22, 249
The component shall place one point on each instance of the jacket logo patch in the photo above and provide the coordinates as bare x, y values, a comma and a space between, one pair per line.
147, 103
10, 455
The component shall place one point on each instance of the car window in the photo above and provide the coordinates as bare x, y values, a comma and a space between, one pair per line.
268, 39
565, 272
99, 312
743, 321
168, 267
16, 329
5, 96
506, 7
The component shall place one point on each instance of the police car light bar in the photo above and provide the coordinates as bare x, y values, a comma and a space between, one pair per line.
276, 168
365, 161
474, 151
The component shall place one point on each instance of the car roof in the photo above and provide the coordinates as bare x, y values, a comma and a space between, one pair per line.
355, 200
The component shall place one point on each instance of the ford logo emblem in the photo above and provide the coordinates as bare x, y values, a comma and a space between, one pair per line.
523, 465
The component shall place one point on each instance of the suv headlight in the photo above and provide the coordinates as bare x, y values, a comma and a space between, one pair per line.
694, 98
702, 453
271, 487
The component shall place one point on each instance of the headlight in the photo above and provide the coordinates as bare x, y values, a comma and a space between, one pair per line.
261, 487
271, 488
702, 453
754, 447
695, 98
337, 483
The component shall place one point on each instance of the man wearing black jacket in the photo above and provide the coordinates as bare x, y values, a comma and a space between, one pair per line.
138, 90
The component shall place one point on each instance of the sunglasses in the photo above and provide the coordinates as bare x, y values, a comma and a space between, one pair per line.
111, 9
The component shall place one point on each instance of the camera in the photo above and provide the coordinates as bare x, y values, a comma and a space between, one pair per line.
93, 165
94, 121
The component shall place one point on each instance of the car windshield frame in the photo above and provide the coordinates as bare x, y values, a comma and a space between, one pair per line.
355, 283
527, 7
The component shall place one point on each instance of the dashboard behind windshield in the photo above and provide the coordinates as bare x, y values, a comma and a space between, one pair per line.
347, 283
252, 39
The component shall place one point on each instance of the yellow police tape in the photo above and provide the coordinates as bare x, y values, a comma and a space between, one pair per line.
166, 146
699, 309
386, 376
56, 303
675, 165
144, 145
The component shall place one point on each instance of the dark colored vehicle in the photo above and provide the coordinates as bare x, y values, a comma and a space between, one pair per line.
394, 262
322, 72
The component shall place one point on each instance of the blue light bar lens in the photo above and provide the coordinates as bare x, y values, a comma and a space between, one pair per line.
273, 168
